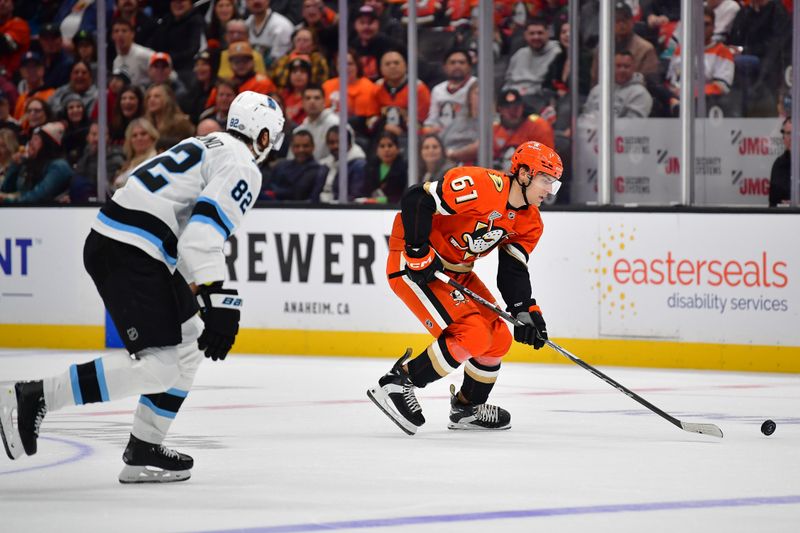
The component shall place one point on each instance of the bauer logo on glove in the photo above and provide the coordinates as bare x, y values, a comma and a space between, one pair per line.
220, 311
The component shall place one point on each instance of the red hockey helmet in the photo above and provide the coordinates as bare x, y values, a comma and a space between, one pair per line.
538, 158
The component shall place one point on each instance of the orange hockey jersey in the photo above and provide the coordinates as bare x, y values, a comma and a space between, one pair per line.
473, 218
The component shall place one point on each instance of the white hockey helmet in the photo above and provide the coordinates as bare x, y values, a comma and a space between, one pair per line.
251, 113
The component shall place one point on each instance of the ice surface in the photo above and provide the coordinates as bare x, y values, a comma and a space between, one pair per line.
293, 444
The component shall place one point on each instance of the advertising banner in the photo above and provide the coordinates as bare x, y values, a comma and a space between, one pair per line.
42, 280
702, 278
733, 158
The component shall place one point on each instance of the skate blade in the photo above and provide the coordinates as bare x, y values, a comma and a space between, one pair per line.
470, 427
380, 399
149, 474
11, 440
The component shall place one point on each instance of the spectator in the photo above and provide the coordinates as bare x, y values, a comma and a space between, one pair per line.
118, 82
179, 34
226, 91
80, 83
515, 128
559, 73
140, 145
57, 64
83, 186
236, 32
9, 147
460, 137
207, 126
129, 106
391, 96
432, 162
43, 174
142, 24
762, 37
303, 45
326, 188
37, 113
132, 57
77, 127
292, 93
368, 42
160, 71
7, 121
15, 37
32, 84
198, 93
319, 120
387, 173
718, 63
294, 179
553, 12
527, 68
85, 49
389, 21
78, 15
162, 111
659, 18
361, 104
222, 12
725, 12
645, 59
780, 188
631, 99
449, 98
270, 32
511, 26
322, 21
244, 74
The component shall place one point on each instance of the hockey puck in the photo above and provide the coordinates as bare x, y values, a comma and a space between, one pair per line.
768, 427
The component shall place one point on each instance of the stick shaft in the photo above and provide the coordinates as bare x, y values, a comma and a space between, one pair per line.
696, 428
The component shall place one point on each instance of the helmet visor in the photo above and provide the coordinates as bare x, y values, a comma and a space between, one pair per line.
547, 182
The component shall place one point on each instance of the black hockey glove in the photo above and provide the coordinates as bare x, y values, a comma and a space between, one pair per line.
533, 330
219, 309
422, 264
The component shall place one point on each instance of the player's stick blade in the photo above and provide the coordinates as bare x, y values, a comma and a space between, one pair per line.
705, 429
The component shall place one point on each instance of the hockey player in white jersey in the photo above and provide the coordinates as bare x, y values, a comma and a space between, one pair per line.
155, 253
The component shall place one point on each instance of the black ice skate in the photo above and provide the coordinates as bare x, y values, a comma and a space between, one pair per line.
394, 395
27, 399
153, 463
476, 417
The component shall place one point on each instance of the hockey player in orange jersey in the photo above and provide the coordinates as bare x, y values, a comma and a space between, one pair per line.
447, 226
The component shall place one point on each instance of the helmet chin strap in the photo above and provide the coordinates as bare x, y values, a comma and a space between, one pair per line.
524, 189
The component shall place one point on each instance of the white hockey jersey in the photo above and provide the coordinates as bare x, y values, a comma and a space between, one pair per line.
180, 206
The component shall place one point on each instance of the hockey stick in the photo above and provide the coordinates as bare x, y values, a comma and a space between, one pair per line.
706, 429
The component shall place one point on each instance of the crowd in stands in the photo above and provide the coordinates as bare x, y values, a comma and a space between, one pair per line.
175, 67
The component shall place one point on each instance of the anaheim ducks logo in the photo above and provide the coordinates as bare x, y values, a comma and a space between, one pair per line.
482, 239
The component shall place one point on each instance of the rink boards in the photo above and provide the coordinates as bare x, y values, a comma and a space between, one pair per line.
680, 290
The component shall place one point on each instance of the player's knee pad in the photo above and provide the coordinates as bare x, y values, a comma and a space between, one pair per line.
479, 379
472, 334
500, 341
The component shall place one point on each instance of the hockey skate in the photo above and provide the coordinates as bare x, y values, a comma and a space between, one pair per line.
154, 463
476, 417
394, 395
26, 398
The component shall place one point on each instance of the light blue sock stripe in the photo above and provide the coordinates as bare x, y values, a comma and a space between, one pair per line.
76, 386
101, 379
178, 392
160, 412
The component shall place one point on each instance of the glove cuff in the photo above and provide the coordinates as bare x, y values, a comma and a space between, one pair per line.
525, 306
419, 258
